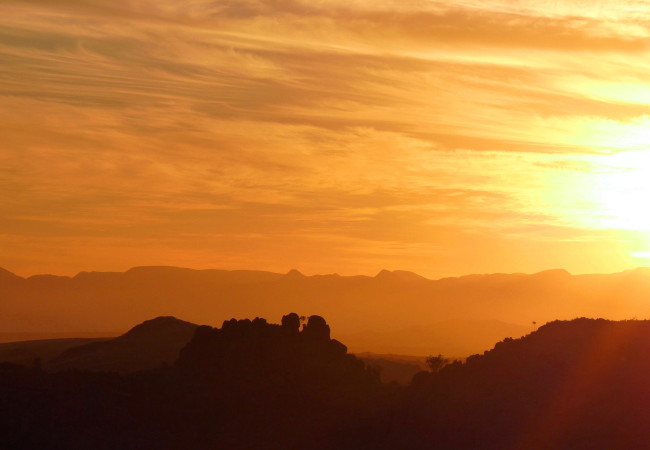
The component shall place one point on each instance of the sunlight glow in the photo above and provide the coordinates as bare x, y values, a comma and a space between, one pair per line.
622, 191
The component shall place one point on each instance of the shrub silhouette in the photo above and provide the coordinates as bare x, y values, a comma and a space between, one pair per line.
435, 363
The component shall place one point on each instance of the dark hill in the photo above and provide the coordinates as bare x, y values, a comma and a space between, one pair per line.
146, 346
8, 277
284, 354
580, 384
247, 385
36, 352
571, 385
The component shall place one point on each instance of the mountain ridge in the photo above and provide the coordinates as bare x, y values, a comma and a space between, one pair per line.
389, 301
403, 274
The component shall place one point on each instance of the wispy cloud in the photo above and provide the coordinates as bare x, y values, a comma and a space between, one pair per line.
249, 125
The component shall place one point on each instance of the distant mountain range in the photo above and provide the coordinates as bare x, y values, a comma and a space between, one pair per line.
456, 316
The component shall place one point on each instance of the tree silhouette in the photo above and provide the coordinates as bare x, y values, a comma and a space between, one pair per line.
435, 363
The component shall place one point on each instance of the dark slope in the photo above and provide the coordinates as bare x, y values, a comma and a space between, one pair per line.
284, 353
580, 384
246, 385
146, 346
398, 369
37, 352
7, 277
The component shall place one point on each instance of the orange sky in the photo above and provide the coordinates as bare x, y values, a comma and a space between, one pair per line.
331, 136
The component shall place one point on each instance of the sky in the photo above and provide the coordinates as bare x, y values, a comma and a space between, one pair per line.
441, 137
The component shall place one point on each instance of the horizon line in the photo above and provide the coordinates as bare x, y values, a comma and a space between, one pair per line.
298, 272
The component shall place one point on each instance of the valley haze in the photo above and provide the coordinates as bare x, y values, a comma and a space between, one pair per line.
394, 312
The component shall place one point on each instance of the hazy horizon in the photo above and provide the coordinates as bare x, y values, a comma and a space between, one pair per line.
391, 312
73, 272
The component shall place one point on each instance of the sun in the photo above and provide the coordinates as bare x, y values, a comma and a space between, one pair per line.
622, 190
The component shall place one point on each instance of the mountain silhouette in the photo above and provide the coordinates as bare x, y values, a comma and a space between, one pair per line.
29, 352
247, 384
399, 276
360, 307
282, 354
8, 277
579, 384
570, 385
146, 346
294, 273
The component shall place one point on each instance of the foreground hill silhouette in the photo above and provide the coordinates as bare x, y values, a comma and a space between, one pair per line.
248, 384
283, 353
580, 384
146, 346
468, 314
150, 345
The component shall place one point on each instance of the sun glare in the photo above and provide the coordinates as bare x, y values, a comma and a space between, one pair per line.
622, 191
